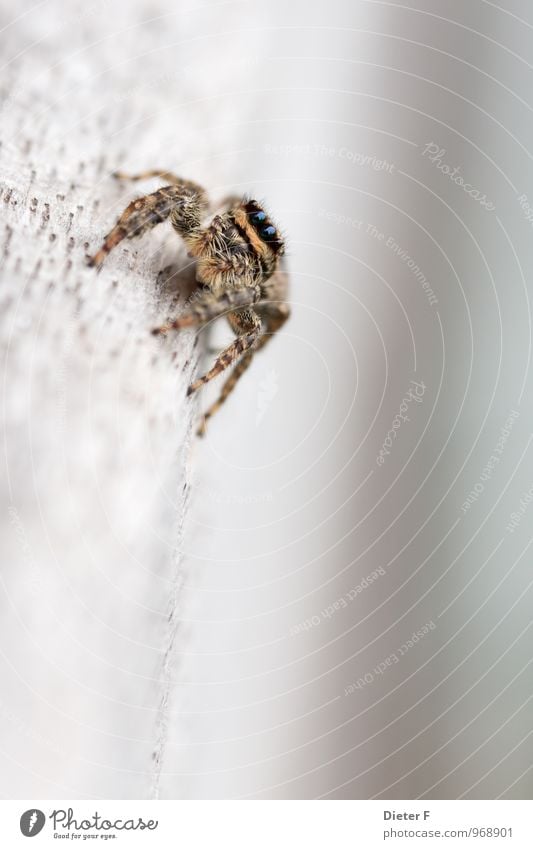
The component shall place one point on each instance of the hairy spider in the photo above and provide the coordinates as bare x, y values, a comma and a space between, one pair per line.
237, 257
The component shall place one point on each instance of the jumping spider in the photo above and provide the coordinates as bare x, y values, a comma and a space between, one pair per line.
237, 260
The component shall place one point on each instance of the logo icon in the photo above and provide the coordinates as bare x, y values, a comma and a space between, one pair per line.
32, 822
268, 389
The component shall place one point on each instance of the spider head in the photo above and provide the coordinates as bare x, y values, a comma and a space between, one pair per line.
264, 228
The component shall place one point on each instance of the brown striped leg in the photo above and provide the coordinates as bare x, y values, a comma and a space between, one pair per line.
228, 387
250, 330
167, 176
149, 211
207, 307
274, 321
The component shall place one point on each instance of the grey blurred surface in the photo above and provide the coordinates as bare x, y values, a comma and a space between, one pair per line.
369, 479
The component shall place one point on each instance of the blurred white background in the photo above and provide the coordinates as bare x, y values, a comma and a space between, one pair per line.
235, 617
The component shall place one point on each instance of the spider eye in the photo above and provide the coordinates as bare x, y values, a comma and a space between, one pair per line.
257, 217
268, 232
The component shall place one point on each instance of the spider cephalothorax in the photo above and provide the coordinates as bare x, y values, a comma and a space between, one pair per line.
237, 257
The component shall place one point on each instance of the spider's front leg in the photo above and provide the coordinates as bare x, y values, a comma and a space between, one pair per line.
184, 202
167, 176
247, 324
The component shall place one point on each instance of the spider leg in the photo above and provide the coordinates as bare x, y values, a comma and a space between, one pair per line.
247, 324
186, 201
275, 318
167, 176
208, 307
227, 388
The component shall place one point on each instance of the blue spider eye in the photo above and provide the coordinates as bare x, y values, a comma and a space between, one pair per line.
268, 232
257, 217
